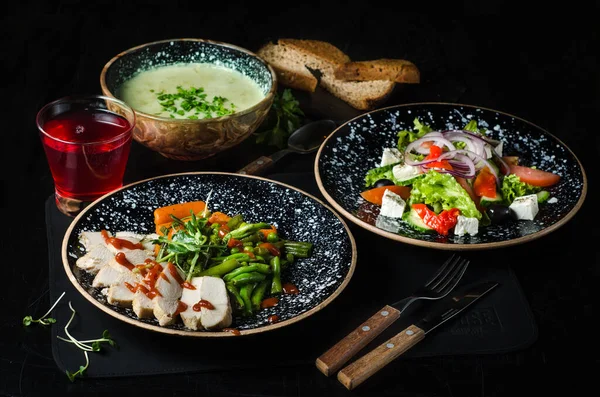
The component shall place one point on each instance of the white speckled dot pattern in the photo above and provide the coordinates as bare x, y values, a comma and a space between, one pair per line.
187, 51
297, 217
357, 147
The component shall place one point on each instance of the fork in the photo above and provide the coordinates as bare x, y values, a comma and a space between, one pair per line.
438, 286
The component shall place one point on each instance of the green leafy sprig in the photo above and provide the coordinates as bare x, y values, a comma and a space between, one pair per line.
44, 320
96, 346
193, 102
283, 119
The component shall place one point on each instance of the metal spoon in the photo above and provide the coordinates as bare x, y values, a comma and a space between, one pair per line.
304, 140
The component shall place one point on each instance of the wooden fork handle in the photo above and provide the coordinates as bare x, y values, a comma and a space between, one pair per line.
363, 368
334, 358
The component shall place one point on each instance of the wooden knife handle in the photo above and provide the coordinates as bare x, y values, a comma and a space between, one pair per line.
257, 167
334, 358
363, 368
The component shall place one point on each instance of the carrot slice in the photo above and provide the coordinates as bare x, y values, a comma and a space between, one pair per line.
181, 210
219, 217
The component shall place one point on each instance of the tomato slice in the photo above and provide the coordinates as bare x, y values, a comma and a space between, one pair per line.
533, 176
375, 195
442, 222
485, 183
434, 153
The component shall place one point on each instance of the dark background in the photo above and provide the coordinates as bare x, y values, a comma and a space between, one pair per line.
539, 64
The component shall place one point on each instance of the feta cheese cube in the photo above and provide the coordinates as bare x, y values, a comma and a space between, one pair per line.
390, 156
392, 205
404, 172
525, 207
466, 225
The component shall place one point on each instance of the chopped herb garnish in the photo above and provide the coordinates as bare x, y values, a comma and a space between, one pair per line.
193, 100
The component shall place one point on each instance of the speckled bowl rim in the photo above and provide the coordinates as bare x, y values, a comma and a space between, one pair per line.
435, 245
204, 334
268, 97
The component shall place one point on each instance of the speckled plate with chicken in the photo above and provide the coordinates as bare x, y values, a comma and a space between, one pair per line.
133, 266
493, 179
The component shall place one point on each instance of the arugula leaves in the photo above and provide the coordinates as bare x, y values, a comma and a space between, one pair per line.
283, 119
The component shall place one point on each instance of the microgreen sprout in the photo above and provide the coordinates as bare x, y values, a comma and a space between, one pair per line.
28, 320
85, 345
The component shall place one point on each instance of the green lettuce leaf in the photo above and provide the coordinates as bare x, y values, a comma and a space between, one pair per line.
375, 174
442, 192
513, 187
406, 136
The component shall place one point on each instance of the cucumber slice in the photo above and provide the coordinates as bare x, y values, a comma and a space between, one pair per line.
413, 219
486, 201
542, 196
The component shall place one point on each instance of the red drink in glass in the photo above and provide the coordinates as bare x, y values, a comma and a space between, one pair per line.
87, 147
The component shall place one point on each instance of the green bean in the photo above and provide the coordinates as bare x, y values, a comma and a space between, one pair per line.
246, 293
221, 269
235, 222
234, 250
258, 293
262, 251
241, 256
247, 278
276, 287
289, 257
236, 294
298, 248
245, 230
255, 267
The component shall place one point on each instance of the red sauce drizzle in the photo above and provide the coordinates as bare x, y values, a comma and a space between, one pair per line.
164, 277
181, 307
150, 280
175, 273
289, 288
131, 287
232, 330
203, 304
269, 302
119, 243
188, 285
122, 260
273, 319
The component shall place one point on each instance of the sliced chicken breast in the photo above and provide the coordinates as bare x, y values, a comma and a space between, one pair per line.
214, 291
144, 239
142, 306
95, 259
169, 290
190, 317
91, 239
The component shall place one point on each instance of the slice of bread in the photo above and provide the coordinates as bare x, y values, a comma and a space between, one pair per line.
296, 59
398, 70
289, 66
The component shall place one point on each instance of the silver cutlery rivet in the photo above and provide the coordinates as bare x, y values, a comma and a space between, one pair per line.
389, 345
385, 313
409, 332
366, 328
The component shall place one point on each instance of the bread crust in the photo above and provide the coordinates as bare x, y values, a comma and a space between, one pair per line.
397, 70
305, 64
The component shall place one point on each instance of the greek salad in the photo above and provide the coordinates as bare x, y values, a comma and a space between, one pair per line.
454, 181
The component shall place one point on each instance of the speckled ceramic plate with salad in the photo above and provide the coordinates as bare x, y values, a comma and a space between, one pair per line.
151, 251
450, 176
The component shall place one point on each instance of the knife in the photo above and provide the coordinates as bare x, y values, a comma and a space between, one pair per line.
361, 369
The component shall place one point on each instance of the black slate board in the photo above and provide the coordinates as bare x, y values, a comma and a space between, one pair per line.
386, 272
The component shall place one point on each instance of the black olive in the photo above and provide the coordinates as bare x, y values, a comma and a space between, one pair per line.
383, 182
499, 213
